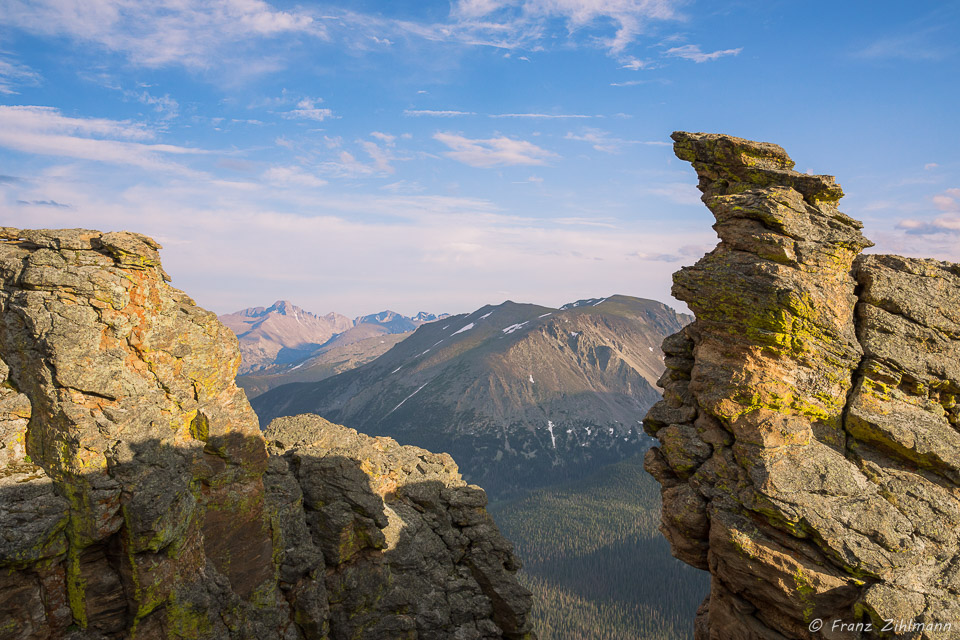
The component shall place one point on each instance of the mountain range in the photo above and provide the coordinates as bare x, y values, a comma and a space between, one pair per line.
515, 392
283, 336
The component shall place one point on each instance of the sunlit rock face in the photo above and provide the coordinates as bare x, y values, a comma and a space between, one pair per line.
809, 450
138, 498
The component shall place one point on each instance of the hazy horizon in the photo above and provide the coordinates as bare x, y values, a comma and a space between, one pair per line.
673, 304
440, 156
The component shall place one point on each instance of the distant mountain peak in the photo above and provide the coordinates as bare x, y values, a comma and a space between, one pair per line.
284, 307
424, 317
378, 318
284, 333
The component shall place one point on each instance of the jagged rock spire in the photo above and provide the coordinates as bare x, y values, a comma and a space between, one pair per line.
800, 411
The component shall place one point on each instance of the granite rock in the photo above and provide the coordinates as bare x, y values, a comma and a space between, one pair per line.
138, 497
809, 442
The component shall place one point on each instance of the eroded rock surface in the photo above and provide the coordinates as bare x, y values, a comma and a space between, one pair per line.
809, 447
138, 498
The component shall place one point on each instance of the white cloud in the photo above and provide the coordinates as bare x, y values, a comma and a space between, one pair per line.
542, 116
949, 223
693, 52
159, 32
348, 166
930, 166
385, 137
307, 109
45, 131
295, 176
403, 186
949, 200
380, 156
530, 16
635, 64
437, 114
404, 252
604, 141
49, 119
13, 74
685, 253
167, 107
493, 152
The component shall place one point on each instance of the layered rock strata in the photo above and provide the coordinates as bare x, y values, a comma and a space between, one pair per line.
809, 450
138, 497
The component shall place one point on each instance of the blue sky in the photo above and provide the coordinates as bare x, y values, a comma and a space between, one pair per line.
412, 155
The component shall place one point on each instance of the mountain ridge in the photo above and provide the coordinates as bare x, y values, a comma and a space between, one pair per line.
285, 334
511, 382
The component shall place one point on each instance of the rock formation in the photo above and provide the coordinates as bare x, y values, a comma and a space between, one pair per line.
809, 450
138, 497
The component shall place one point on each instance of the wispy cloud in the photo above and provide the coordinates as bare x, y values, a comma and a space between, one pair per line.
949, 223
949, 200
13, 74
540, 116
493, 152
678, 192
160, 32
292, 176
917, 46
50, 119
381, 152
222, 246
629, 16
530, 116
403, 186
606, 142
693, 52
167, 107
45, 131
690, 252
636, 64
307, 109
437, 114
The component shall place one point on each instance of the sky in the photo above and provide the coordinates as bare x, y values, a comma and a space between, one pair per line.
443, 155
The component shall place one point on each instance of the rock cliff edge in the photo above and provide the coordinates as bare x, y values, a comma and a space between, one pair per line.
138, 497
809, 433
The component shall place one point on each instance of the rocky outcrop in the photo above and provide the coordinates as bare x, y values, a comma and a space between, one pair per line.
138, 497
809, 450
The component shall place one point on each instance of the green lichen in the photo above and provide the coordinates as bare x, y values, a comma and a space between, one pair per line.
76, 587
806, 592
200, 427
186, 621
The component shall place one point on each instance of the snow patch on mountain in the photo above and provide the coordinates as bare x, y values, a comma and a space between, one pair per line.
465, 328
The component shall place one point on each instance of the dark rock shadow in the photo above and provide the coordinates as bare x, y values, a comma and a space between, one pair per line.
210, 541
